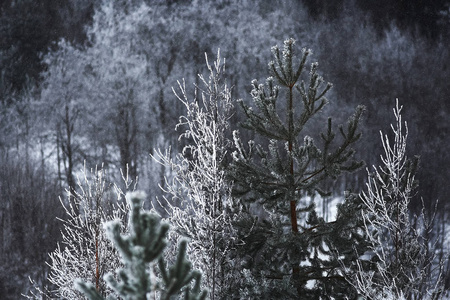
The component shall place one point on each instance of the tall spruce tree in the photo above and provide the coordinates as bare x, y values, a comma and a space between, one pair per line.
292, 250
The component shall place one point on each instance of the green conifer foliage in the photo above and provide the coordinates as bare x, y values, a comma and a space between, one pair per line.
140, 251
293, 243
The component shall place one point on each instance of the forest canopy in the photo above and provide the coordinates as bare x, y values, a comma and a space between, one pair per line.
90, 83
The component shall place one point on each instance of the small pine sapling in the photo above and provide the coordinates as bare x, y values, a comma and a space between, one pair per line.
140, 251
292, 245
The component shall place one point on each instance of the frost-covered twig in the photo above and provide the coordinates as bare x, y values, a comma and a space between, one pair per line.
402, 266
140, 250
85, 251
198, 196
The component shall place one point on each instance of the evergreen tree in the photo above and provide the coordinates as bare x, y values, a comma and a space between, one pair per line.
139, 250
292, 250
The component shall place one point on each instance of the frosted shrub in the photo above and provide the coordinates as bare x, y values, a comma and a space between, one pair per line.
140, 251
401, 264
198, 197
85, 251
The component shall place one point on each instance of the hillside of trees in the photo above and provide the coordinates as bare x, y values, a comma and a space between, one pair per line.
100, 98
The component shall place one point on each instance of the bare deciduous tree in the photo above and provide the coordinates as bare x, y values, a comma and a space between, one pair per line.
401, 264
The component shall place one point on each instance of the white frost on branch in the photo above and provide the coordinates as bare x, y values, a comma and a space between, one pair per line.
85, 251
402, 266
198, 201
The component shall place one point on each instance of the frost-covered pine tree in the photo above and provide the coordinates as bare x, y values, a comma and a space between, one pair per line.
199, 196
140, 251
402, 264
85, 251
290, 250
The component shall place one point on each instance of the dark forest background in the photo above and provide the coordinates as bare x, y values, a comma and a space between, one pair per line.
88, 82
